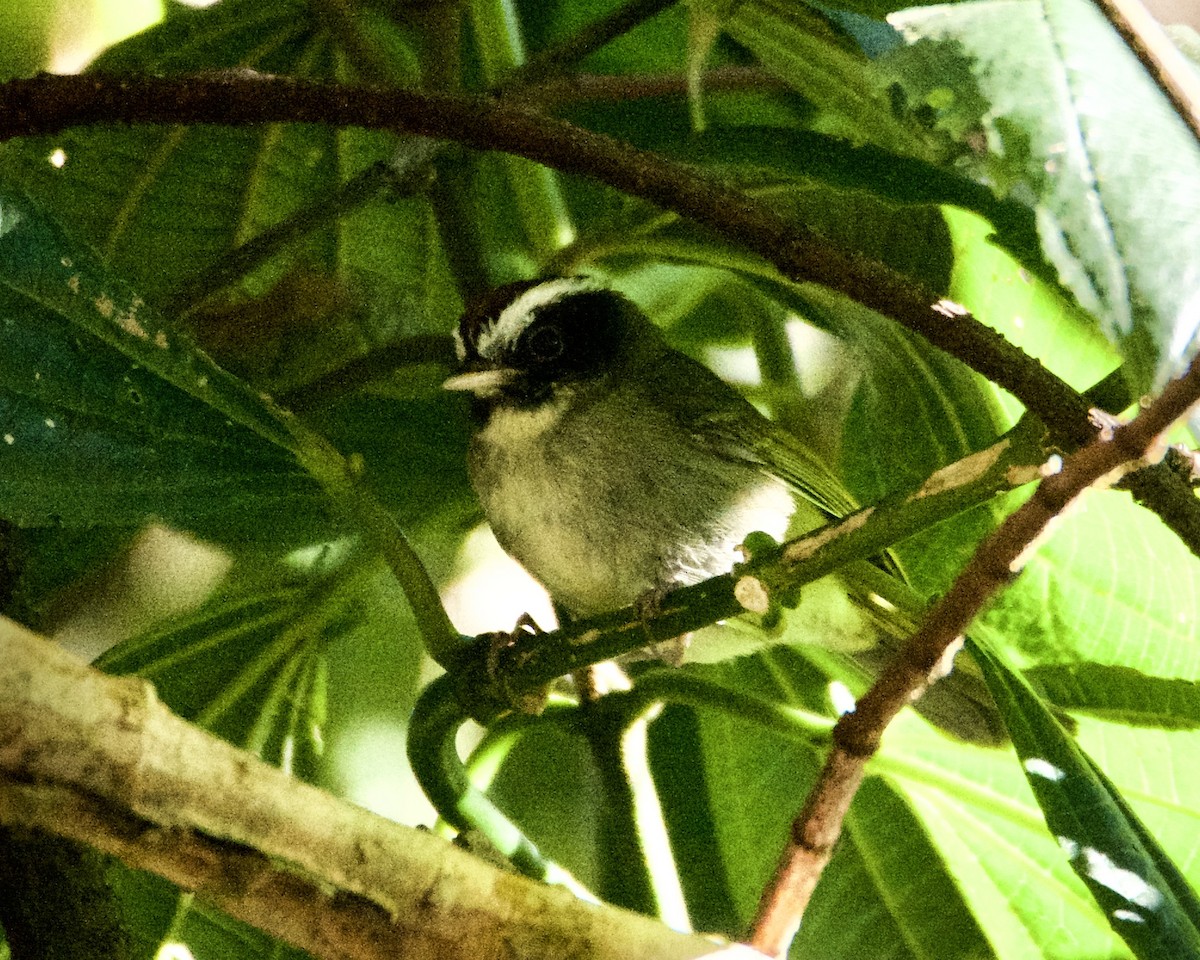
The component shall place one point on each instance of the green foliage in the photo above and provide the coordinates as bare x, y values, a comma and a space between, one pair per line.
1069, 114
1150, 902
1009, 155
109, 418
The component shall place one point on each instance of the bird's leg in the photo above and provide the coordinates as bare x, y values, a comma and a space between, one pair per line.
591, 683
648, 606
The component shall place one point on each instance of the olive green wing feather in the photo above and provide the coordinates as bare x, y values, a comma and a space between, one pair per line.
728, 425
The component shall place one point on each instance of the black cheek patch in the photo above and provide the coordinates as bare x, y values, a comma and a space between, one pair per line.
593, 325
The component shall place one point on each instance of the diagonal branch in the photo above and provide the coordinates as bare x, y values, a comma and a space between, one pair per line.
926, 655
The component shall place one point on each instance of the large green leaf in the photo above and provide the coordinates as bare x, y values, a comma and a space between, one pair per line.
1145, 898
799, 44
125, 188
233, 665
254, 663
110, 417
1032, 314
550, 784
983, 820
887, 860
868, 903
773, 152
164, 203
912, 411
1112, 586
1158, 774
1071, 116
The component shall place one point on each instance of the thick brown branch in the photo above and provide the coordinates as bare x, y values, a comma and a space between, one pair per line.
100, 760
49, 103
1169, 68
925, 655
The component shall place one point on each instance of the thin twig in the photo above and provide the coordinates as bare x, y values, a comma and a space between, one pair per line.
924, 656
403, 177
591, 38
1170, 69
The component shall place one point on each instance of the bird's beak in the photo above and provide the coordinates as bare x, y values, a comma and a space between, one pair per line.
482, 383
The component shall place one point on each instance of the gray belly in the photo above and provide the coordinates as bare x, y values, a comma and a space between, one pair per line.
600, 522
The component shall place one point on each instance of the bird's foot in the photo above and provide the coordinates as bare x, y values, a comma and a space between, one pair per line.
530, 702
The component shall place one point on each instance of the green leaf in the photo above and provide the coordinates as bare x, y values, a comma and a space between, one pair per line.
804, 155
1070, 114
253, 663
677, 763
1119, 694
164, 203
1145, 898
868, 904
108, 416
981, 817
885, 862
551, 786
226, 665
1156, 773
1113, 586
915, 410
122, 188
1031, 312
910, 239
801, 46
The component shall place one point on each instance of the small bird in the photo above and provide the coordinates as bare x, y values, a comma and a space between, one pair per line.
614, 468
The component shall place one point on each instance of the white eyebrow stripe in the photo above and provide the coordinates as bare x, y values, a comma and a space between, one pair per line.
516, 317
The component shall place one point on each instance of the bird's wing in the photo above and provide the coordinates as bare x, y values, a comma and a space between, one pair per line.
724, 422
757, 440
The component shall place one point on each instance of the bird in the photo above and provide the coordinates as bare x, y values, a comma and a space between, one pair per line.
615, 468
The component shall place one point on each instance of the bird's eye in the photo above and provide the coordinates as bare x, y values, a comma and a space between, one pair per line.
544, 343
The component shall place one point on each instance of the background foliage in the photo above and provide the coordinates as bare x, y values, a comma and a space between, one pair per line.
1009, 154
